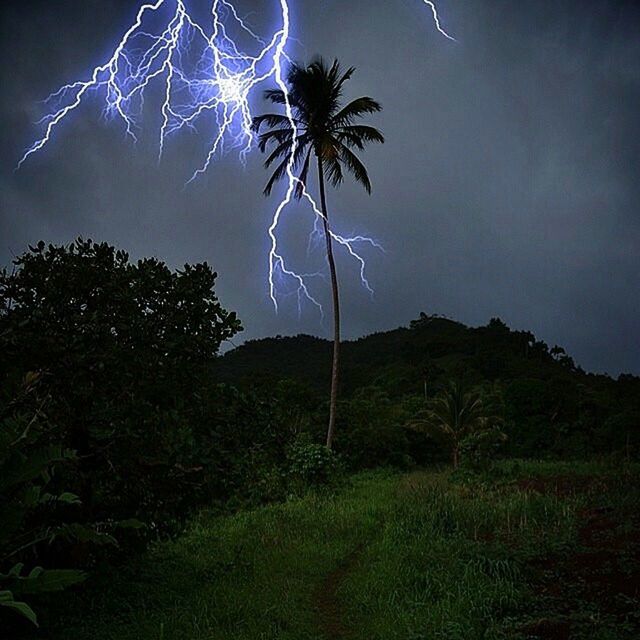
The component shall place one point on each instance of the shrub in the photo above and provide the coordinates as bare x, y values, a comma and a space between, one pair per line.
479, 449
311, 465
28, 505
127, 350
370, 431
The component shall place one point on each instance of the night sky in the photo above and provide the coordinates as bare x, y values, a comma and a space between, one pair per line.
509, 184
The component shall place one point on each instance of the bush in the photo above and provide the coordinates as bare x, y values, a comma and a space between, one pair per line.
311, 465
370, 431
126, 352
29, 507
479, 450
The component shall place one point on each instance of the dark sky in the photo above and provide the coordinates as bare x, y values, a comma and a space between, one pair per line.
509, 184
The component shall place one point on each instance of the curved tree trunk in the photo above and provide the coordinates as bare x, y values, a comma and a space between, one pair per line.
336, 310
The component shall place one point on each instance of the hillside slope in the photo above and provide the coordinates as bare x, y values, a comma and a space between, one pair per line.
431, 348
548, 400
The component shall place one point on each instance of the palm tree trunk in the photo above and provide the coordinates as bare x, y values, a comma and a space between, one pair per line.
336, 310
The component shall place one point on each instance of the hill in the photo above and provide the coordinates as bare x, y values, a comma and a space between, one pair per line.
400, 360
545, 394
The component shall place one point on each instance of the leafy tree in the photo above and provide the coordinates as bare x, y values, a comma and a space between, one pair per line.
327, 130
125, 350
560, 355
452, 415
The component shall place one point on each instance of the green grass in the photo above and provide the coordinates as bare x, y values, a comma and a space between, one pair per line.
436, 559
247, 576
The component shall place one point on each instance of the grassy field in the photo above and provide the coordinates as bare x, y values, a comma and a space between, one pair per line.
539, 550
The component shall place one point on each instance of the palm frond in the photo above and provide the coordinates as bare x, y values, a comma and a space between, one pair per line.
300, 186
295, 97
274, 135
430, 424
284, 150
358, 135
281, 169
337, 92
275, 95
271, 120
355, 166
333, 171
354, 110
277, 175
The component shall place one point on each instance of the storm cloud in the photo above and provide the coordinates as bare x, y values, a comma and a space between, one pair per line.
508, 186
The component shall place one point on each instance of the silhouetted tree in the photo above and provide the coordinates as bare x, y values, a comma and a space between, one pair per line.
125, 350
325, 129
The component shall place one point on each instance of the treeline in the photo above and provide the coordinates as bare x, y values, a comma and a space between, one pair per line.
550, 406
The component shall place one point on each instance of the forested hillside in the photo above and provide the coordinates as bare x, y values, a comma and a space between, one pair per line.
548, 401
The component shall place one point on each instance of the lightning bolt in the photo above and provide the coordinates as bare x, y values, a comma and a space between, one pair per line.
204, 77
436, 20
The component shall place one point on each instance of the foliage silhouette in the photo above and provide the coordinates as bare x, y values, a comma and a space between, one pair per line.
551, 406
326, 129
125, 350
29, 505
453, 415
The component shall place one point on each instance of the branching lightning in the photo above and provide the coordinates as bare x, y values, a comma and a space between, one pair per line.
204, 77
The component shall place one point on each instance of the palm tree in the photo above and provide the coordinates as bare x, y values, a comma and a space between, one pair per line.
452, 415
326, 129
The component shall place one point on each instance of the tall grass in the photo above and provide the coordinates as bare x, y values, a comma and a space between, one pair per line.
438, 558
449, 561
249, 576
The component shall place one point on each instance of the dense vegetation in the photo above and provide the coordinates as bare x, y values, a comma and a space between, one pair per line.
110, 405
550, 406
392, 557
120, 422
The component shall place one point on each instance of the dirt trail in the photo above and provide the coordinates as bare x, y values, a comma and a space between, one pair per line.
328, 605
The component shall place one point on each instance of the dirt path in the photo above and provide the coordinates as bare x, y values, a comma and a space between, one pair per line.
329, 608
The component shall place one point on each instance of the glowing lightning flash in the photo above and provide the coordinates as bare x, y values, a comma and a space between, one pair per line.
436, 20
202, 74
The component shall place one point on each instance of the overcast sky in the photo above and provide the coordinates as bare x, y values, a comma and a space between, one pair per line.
509, 184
